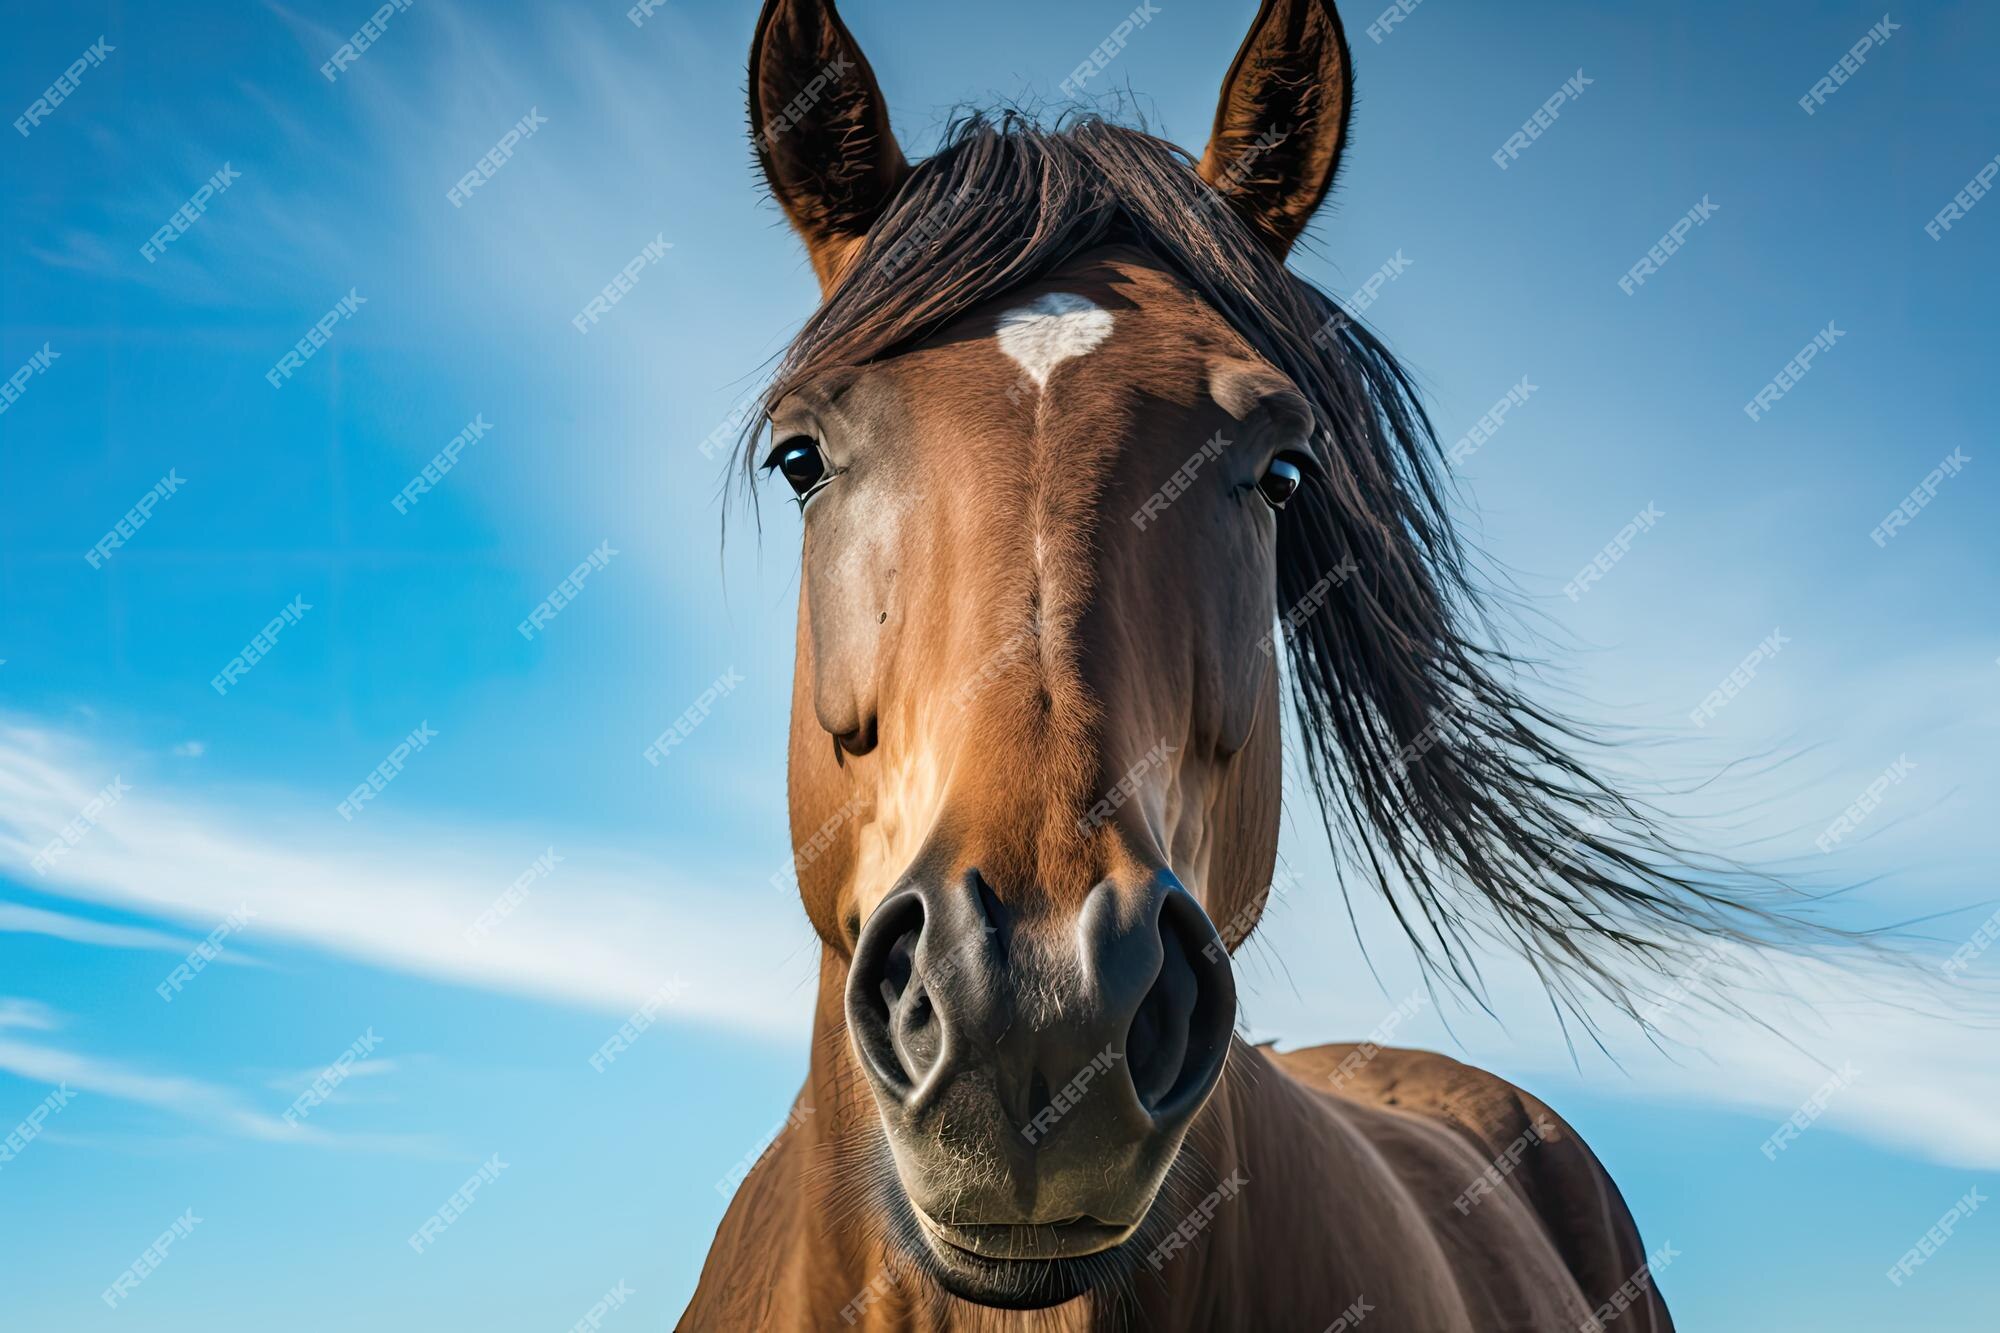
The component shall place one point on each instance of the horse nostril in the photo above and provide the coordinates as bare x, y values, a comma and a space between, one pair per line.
889, 1006
897, 966
913, 1028
1157, 1046
1180, 1034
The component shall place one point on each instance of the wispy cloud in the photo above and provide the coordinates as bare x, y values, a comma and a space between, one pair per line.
1929, 1056
210, 1105
1929, 1069
19, 1013
189, 1098
601, 931
22, 919
299, 1078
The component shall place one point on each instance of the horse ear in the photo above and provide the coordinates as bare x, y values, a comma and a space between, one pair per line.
821, 128
1282, 119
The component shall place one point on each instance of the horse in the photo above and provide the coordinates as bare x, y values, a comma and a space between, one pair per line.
1090, 483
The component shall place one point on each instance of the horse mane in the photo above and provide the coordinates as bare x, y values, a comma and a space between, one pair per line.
1462, 800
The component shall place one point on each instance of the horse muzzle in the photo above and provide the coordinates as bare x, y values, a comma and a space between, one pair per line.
1036, 1079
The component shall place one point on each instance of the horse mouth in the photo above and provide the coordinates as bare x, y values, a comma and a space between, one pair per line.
1019, 1242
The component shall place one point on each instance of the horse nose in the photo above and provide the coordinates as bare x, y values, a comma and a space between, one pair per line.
1131, 1001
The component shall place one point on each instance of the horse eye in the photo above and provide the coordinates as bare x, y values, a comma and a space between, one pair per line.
802, 464
1280, 481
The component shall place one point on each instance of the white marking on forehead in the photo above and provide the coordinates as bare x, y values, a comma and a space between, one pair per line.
1050, 330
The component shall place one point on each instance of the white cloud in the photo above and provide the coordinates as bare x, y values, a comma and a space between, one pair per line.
601, 931
19, 1013
209, 1105
299, 1079
1928, 1055
191, 1098
22, 919
1927, 1078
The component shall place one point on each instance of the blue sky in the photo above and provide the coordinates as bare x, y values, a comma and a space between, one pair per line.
662, 893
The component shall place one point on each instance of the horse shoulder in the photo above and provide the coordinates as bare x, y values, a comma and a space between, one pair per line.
1535, 1152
